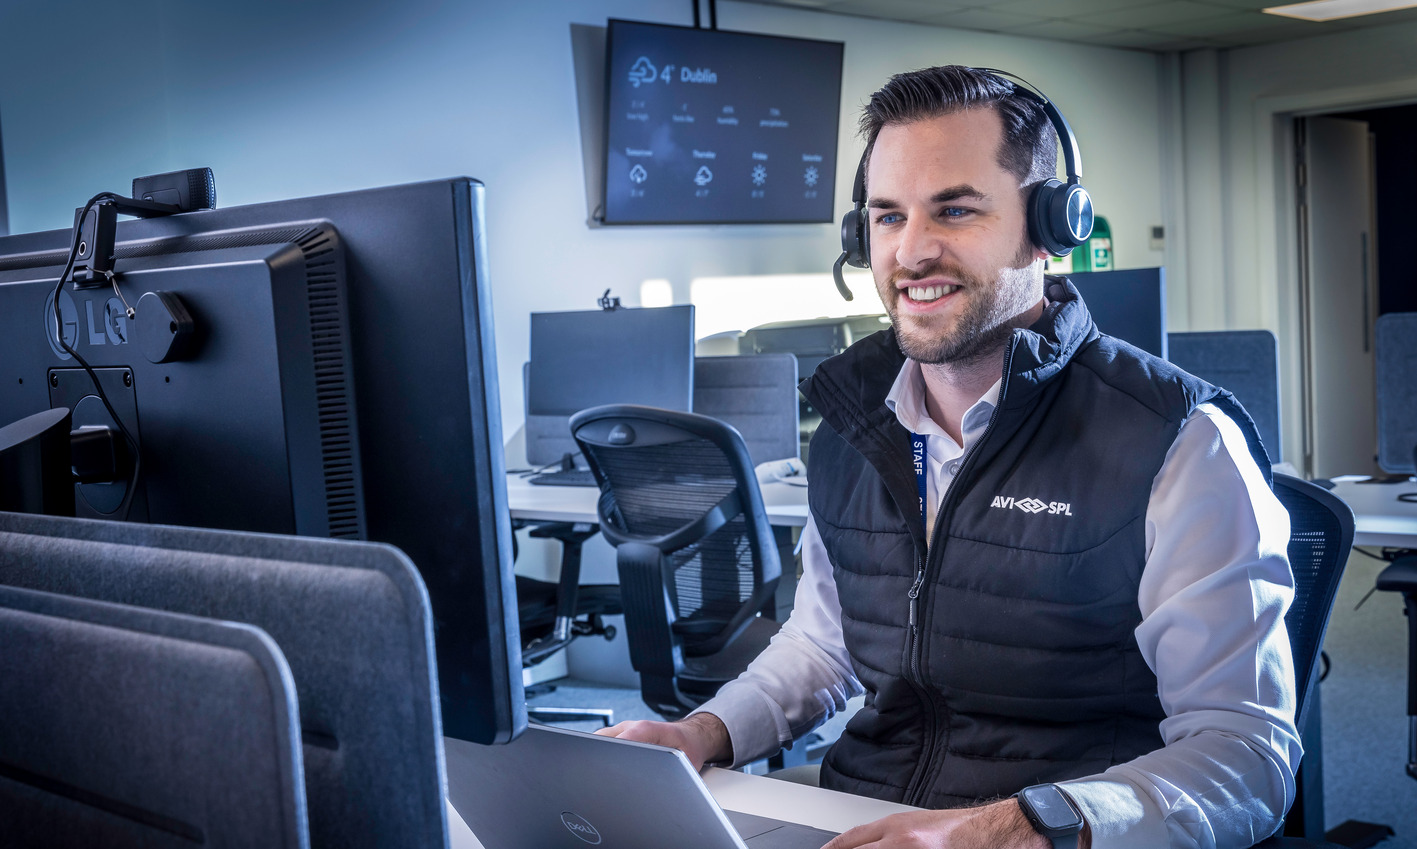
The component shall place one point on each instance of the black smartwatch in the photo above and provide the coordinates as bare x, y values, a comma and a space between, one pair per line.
1052, 814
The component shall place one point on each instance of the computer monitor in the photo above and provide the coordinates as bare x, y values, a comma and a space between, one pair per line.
340, 380
1129, 304
587, 358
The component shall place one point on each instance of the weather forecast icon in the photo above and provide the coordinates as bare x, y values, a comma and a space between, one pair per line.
704, 177
760, 174
638, 174
642, 72
810, 175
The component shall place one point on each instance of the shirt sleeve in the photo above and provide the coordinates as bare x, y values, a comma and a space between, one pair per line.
802, 678
1213, 596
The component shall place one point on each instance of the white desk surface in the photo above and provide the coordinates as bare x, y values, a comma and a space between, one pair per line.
756, 794
786, 504
1380, 518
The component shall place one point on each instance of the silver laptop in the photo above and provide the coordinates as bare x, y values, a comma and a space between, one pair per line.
553, 787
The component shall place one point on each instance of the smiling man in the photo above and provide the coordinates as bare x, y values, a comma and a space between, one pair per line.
1052, 562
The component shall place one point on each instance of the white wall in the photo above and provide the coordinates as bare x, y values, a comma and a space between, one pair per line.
1240, 253
285, 100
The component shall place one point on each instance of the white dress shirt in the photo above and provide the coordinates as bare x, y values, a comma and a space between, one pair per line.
1212, 596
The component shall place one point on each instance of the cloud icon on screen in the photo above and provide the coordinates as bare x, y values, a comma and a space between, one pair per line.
642, 72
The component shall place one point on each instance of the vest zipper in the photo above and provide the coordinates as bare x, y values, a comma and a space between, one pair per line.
916, 789
915, 592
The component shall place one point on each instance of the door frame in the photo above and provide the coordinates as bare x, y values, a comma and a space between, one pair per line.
1274, 122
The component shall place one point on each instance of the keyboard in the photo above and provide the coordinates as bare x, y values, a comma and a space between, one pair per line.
565, 477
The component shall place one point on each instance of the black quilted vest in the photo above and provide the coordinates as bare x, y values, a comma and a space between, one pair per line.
1021, 666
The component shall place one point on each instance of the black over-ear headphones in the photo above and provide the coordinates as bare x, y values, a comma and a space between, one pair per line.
1059, 213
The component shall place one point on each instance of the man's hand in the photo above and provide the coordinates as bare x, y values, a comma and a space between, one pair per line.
702, 738
1000, 825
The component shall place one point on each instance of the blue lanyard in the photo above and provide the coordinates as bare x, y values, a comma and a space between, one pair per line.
918, 452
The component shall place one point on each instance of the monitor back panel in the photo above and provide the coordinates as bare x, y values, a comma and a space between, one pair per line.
1129, 304
586, 358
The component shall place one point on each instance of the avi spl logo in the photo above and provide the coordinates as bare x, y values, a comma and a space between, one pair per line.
1033, 505
580, 827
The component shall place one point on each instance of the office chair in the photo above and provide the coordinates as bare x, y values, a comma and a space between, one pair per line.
680, 503
554, 613
1320, 537
1401, 577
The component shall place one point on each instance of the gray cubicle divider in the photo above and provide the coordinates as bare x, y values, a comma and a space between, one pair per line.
129, 727
1246, 362
1397, 391
757, 395
352, 619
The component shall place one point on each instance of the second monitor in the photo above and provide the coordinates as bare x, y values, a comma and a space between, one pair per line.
586, 358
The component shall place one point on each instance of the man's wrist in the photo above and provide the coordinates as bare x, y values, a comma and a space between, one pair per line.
712, 734
1013, 828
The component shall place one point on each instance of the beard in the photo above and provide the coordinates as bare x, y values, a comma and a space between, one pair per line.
991, 312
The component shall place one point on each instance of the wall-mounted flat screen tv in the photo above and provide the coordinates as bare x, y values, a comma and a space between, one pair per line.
708, 126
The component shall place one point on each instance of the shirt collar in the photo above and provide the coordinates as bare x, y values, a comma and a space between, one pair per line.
907, 400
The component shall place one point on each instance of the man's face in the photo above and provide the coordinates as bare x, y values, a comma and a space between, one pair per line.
949, 239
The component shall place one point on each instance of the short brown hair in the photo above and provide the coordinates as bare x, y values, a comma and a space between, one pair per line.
1029, 150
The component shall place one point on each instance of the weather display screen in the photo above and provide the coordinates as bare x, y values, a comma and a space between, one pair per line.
707, 126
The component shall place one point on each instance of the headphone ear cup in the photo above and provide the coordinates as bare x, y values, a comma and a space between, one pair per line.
855, 242
1072, 215
1059, 216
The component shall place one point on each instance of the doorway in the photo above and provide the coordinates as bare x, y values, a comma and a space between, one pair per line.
1355, 179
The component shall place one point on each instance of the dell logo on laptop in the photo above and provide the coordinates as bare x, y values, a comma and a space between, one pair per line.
578, 826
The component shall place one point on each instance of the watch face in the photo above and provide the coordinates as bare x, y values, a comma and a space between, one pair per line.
1051, 808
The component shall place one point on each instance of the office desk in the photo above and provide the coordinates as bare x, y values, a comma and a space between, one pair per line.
1381, 519
812, 806
786, 504
755, 794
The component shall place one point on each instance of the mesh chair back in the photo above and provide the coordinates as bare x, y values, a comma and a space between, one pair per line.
1320, 536
684, 484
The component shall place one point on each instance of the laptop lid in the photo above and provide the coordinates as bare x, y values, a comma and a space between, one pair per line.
554, 788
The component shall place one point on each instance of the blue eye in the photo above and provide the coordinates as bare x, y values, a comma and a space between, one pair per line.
955, 211
888, 218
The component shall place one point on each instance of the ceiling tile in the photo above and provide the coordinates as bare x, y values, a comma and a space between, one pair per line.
1143, 17
1135, 24
1267, 28
1131, 38
1065, 8
915, 10
1178, 44
1207, 27
1244, 5
1059, 30
984, 19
